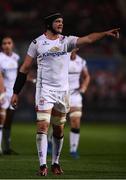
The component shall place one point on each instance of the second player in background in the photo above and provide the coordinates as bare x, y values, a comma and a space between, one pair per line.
79, 79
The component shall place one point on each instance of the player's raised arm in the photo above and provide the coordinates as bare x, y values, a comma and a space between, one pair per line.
21, 79
97, 36
26, 65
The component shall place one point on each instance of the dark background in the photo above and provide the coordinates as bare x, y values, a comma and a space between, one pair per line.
105, 100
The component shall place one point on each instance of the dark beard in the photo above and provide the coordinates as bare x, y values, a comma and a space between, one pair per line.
53, 31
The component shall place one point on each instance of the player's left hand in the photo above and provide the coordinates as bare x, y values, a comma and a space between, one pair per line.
14, 101
83, 90
113, 32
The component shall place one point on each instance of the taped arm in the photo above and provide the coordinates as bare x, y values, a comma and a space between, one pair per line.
22, 74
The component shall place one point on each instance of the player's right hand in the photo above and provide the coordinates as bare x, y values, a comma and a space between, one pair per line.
113, 32
14, 101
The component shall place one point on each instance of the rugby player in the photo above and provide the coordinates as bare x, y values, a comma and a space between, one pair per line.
52, 97
79, 79
8, 73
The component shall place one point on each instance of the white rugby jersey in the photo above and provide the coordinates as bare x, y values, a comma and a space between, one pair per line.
52, 61
75, 68
8, 67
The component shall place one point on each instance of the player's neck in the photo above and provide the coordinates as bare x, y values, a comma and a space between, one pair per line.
7, 53
50, 35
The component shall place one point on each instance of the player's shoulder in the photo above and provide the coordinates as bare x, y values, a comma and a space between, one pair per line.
2, 58
15, 56
2, 54
38, 39
64, 37
79, 58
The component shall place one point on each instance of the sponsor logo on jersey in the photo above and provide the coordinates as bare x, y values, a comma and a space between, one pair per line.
55, 51
11, 65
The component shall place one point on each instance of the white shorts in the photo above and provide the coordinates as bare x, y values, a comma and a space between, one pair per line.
48, 99
6, 102
75, 99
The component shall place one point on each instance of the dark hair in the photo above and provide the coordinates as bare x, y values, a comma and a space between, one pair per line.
48, 20
7, 37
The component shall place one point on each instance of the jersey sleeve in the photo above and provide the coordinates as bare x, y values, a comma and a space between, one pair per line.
18, 57
71, 42
32, 50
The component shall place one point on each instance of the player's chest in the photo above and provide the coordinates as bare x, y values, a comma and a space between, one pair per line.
9, 65
50, 47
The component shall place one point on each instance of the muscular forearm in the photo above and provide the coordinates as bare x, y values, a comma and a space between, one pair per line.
90, 38
26, 66
97, 36
24, 69
85, 80
2, 88
85, 83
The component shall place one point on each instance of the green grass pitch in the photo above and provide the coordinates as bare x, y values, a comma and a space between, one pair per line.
102, 154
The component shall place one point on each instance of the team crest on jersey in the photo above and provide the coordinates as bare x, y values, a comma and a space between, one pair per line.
42, 101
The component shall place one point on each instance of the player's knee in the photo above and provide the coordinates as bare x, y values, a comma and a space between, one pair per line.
43, 121
58, 120
42, 127
75, 114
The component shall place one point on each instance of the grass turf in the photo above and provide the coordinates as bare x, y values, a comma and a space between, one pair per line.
102, 154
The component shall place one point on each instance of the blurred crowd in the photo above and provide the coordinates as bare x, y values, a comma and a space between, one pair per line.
23, 19
107, 89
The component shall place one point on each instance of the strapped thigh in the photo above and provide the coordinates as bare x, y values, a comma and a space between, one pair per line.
43, 116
